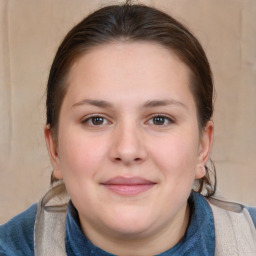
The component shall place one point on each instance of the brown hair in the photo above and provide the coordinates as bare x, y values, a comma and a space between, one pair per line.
128, 22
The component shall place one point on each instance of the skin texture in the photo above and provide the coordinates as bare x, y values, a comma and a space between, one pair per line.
110, 127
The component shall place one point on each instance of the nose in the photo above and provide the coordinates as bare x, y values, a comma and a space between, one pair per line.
128, 146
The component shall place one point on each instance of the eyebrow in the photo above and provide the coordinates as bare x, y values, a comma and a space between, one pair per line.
147, 104
160, 103
97, 103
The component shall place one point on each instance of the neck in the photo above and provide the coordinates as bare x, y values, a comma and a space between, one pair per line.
153, 243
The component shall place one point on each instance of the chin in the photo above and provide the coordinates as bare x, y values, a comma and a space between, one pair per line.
131, 231
129, 224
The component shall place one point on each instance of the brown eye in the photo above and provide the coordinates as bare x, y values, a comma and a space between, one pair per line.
95, 121
160, 120
98, 120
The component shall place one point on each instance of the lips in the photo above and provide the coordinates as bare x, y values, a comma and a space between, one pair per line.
128, 186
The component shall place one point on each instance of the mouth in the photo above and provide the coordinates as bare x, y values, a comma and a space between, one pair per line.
130, 186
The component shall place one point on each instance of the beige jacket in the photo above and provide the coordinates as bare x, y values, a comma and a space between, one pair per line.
235, 233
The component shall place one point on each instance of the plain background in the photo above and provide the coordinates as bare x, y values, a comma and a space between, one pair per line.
30, 32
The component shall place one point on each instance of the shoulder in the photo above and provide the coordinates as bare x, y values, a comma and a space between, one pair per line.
235, 232
252, 212
17, 235
233, 207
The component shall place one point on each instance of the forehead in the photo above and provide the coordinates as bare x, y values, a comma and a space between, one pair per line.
144, 68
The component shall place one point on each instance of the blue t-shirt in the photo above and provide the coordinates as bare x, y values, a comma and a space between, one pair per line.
17, 235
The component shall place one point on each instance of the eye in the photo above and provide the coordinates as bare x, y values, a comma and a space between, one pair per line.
160, 120
95, 121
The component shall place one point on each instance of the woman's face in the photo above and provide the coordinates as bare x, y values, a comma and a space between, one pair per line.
129, 146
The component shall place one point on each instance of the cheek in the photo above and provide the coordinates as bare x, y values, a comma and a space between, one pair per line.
81, 161
176, 155
79, 155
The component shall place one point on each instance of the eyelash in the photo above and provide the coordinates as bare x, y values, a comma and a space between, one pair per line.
89, 120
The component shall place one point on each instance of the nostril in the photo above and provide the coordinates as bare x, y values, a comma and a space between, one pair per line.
118, 159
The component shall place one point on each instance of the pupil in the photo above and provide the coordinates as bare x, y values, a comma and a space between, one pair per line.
97, 120
159, 120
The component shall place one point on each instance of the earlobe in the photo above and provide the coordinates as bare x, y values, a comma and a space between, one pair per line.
200, 172
204, 149
52, 151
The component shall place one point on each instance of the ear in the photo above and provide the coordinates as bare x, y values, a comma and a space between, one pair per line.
52, 151
206, 141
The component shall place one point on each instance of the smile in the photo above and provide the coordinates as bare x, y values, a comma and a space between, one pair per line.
128, 186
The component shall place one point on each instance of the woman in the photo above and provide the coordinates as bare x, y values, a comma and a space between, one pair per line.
129, 133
